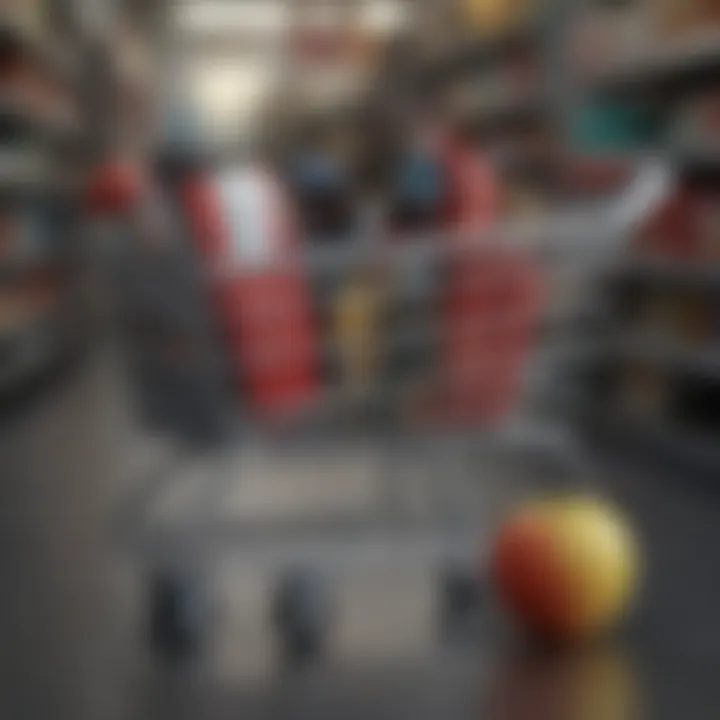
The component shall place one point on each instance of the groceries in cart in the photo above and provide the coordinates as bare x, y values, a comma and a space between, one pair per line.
244, 225
359, 325
319, 181
306, 326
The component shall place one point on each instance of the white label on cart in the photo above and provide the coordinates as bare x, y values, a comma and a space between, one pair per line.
248, 205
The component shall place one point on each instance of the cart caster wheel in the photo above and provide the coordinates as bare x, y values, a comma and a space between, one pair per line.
303, 614
177, 615
459, 600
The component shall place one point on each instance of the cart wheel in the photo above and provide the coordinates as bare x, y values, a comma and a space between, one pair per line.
459, 599
303, 614
177, 615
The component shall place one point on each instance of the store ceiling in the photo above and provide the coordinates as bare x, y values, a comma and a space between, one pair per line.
242, 53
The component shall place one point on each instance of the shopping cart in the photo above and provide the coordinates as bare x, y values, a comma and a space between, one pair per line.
409, 451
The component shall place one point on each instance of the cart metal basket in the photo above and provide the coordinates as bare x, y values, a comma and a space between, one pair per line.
377, 469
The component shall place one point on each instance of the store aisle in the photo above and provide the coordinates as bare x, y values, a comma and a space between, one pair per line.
56, 605
74, 638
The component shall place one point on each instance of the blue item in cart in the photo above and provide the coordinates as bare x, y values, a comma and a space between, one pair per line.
418, 193
317, 173
419, 182
322, 190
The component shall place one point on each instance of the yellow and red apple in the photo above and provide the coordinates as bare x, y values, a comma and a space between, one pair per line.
565, 568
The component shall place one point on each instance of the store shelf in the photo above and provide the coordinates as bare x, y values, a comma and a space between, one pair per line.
15, 38
17, 117
23, 181
693, 446
698, 165
35, 180
13, 268
699, 53
696, 361
469, 56
663, 441
507, 110
27, 346
703, 158
669, 270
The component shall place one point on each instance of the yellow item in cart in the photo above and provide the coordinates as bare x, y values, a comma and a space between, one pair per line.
493, 16
358, 315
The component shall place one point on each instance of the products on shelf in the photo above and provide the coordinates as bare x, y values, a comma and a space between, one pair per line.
7, 238
28, 16
22, 164
693, 318
679, 317
638, 31
488, 17
33, 288
707, 217
643, 391
605, 127
671, 231
12, 311
609, 34
696, 405
24, 302
25, 238
696, 127
510, 84
675, 18
524, 201
29, 82
686, 227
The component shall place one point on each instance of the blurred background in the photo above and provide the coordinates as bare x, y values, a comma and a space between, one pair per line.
298, 298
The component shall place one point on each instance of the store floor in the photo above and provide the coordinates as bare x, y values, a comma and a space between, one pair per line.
388, 655
75, 645
390, 658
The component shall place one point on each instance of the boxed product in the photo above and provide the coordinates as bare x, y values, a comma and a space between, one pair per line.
643, 391
674, 18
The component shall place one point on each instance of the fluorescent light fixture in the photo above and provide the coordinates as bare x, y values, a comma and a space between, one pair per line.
383, 16
229, 94
259, 16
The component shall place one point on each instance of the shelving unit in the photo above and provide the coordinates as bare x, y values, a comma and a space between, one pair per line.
505, 109
669, 271
647, 350
466, 57
500, 88
41, 50
668, 62
39, 323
